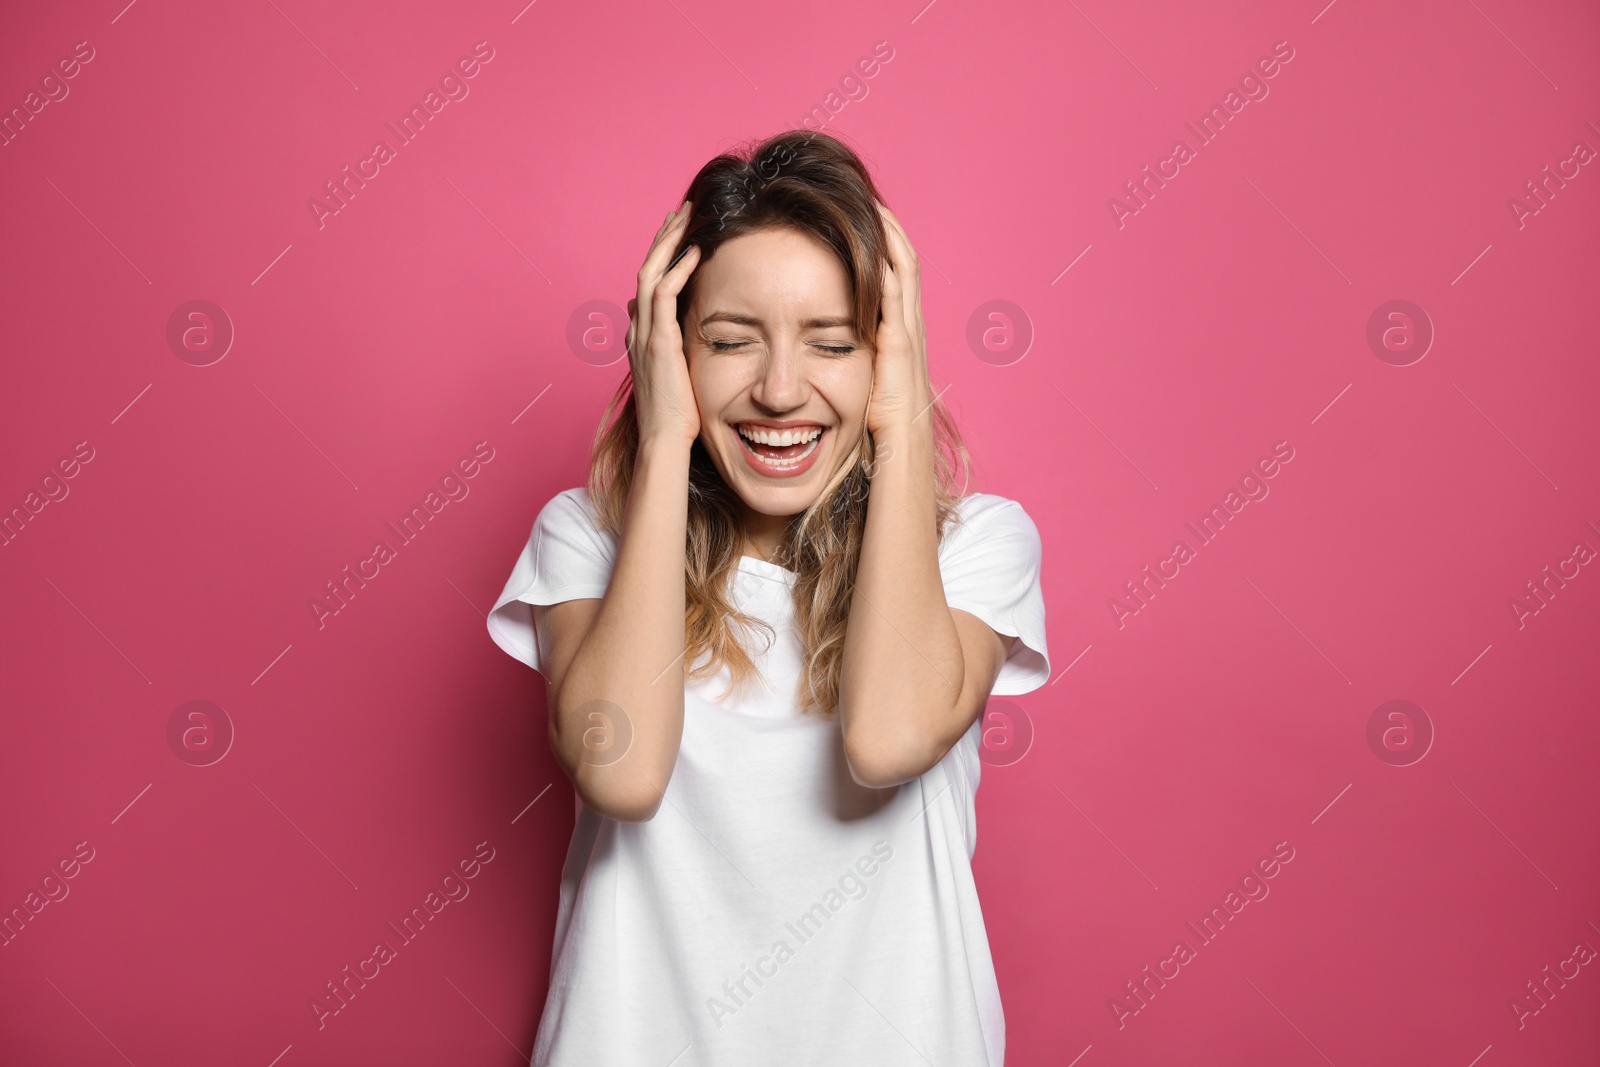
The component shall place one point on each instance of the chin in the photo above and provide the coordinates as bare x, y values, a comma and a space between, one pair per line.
789, 497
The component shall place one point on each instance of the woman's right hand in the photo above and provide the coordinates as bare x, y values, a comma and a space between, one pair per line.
662, 391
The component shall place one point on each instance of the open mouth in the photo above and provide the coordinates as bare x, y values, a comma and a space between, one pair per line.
780, 451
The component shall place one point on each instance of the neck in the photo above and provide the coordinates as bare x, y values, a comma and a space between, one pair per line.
763, 534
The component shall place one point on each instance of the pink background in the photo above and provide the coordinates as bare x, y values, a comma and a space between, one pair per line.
372, 754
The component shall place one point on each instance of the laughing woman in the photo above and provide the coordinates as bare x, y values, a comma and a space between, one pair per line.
768, 627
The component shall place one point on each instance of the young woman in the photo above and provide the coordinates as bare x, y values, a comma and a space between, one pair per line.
768, 627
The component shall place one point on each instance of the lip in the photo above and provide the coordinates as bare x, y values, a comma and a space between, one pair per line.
787, 424
760, 466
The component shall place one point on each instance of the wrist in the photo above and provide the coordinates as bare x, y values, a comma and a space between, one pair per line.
666, 444
905, 436
900, 452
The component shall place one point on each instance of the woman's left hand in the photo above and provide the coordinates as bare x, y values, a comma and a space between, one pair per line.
902, 393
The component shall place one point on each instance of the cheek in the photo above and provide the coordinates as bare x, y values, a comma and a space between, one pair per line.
713, 389
849, 386
702, 383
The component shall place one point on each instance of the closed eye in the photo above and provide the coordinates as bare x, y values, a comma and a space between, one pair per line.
728, 346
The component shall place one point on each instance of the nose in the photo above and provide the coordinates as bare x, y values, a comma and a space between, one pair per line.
781, 384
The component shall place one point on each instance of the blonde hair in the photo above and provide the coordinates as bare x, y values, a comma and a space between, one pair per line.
813, 183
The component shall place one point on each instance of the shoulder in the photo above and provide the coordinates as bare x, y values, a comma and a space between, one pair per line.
989, 516
572, 501
568, 530
570, 508
983, 505
993, 568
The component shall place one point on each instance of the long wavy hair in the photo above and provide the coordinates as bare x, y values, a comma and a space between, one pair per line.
813, 183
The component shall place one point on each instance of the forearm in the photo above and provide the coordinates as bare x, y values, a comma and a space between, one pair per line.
632, 657
903, 667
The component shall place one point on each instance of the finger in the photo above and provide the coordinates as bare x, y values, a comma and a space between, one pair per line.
641, 308
664, 315
892, 330
892, 221
678, 258
683, 265
665, 223
901, 254
656, 263
912, 282
893, 224
904, 259
650, 271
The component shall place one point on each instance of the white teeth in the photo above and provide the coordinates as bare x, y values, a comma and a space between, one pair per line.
779, 438
781, 464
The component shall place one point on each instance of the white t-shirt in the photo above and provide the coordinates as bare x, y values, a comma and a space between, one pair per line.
773, 911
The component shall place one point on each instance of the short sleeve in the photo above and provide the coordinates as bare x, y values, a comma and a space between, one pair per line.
567, 557
991, 566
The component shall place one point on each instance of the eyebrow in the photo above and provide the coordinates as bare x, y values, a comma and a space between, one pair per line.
750, 320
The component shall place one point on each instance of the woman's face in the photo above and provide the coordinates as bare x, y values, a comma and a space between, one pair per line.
770, 349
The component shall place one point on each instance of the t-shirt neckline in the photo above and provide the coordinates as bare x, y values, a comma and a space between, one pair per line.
765, 569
